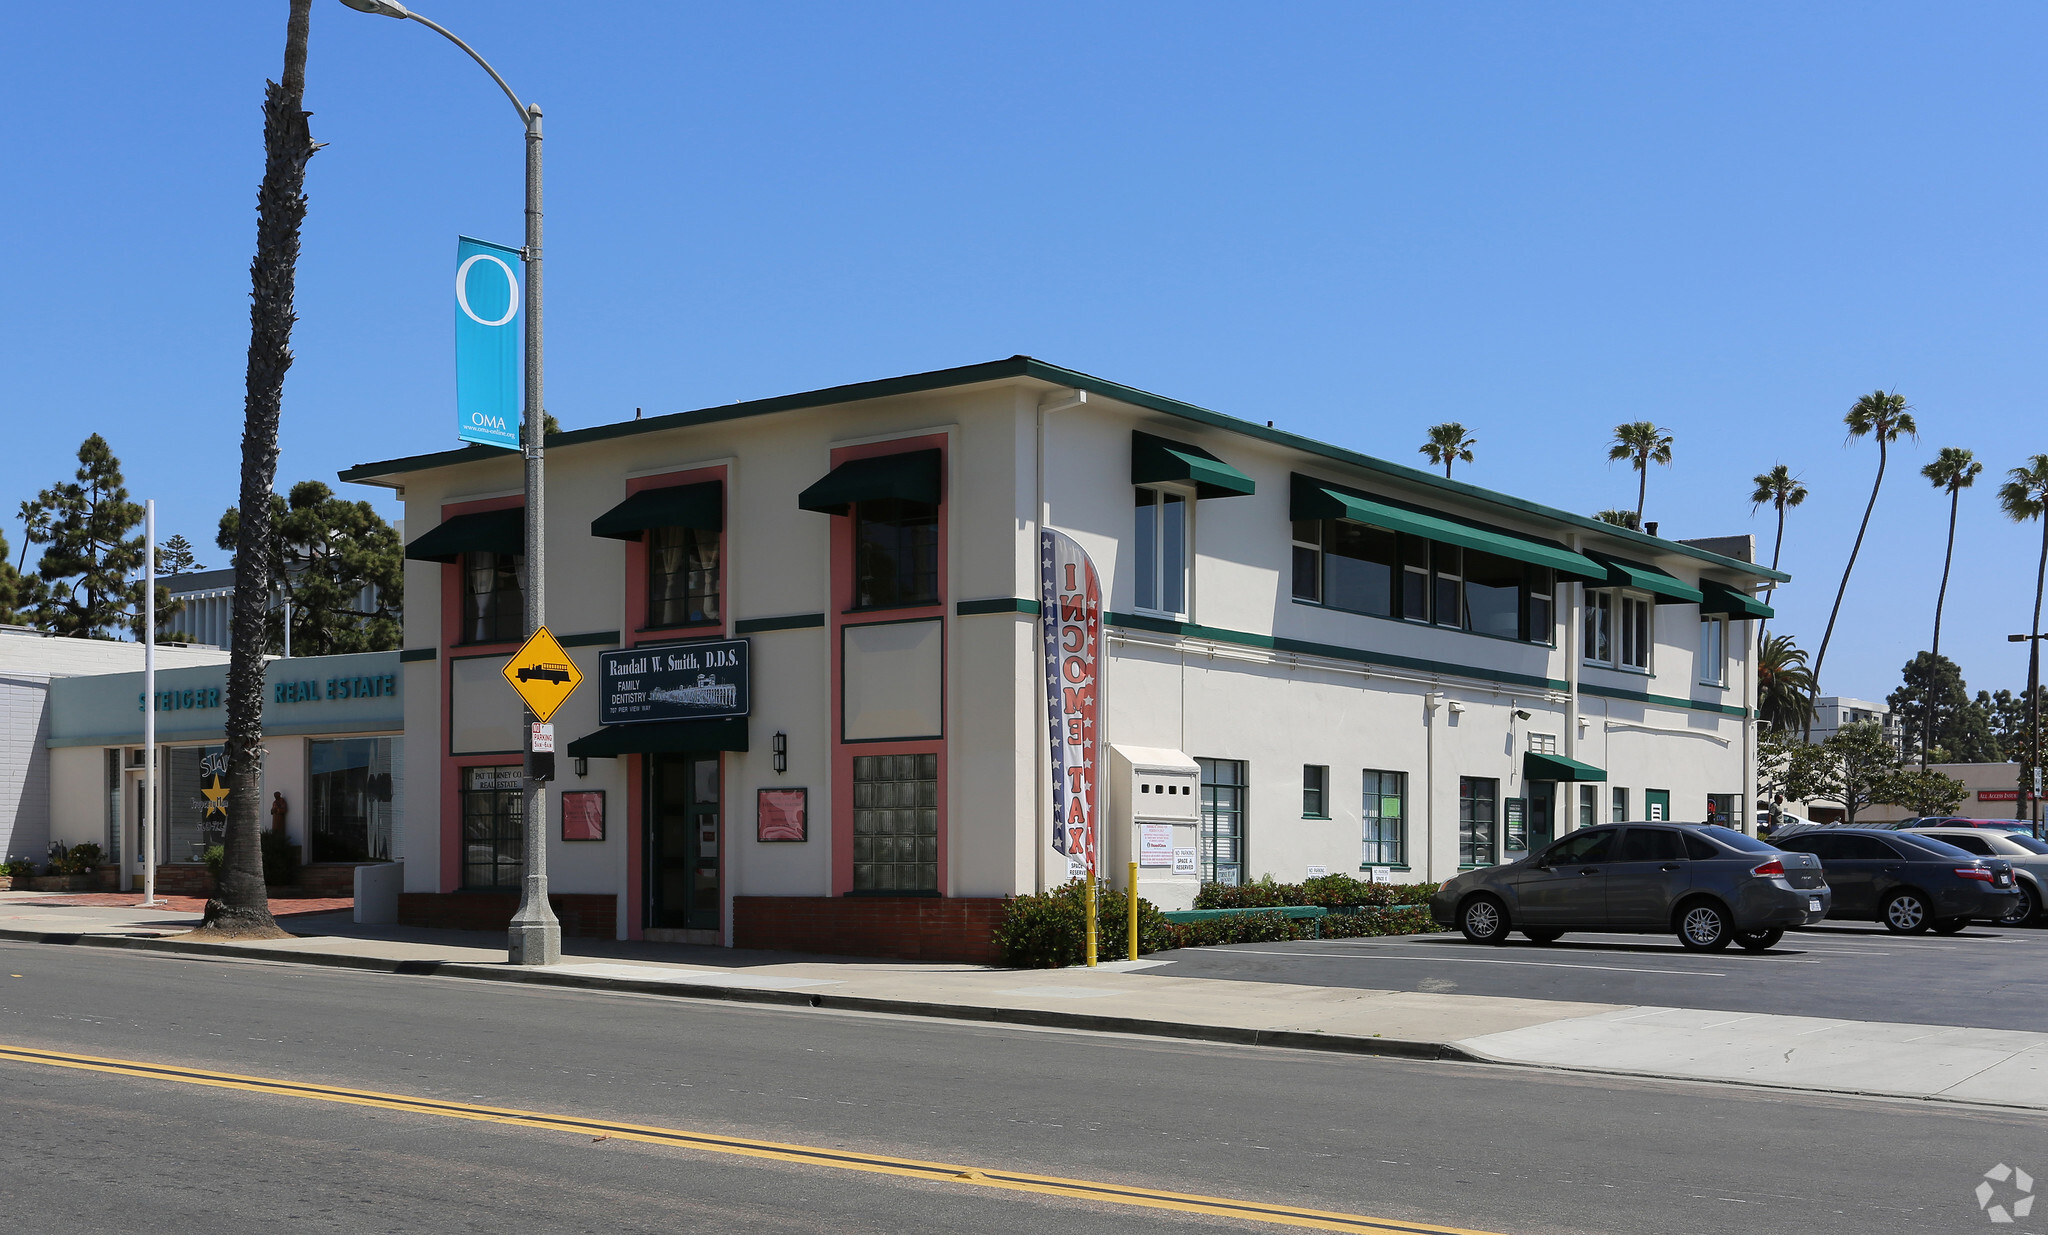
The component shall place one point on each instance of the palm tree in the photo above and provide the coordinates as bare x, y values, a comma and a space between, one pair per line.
1954, 470
2024, 497
1619, 518
35, 527
240, 905
1642, 443
1885, 417
1447, 443
1783, 491
1784, 685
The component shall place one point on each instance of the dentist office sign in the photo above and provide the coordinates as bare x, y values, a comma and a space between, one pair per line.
486, 343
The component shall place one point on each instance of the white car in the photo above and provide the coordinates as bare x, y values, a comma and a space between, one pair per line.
2029, 858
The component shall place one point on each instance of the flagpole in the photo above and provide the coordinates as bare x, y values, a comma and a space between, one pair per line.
148, 828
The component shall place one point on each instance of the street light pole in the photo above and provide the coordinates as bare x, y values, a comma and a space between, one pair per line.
534, 936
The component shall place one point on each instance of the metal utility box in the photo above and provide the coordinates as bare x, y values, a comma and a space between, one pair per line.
1155, 814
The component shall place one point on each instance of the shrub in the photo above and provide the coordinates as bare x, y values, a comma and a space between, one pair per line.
1050, 930
216, 859
1378, 922
1327, 891
280, 860
77, 860
19, 868
1243, 928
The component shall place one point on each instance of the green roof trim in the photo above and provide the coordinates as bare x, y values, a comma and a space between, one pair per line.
791, 621
1029, 367
1321, 499
912, 475
661, 738
1156, 459
1662, 701
700, 506
1729, 602
485, 531
1556, 767
999, 604
1666, 587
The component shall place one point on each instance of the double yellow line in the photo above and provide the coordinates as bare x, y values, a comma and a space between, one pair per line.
805, 1155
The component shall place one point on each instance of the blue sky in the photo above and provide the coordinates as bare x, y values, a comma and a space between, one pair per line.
1352, 220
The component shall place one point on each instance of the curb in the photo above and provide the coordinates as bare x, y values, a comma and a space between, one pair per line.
1294, 1039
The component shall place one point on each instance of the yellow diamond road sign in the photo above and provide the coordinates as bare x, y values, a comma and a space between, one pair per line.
542, 673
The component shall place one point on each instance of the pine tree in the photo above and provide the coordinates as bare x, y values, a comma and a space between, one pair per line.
92, 564
1934, 706
333, 551
174, 557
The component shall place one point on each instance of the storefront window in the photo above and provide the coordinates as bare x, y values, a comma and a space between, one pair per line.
682, 576
493, 601
349, 813
1478, 797
192, 819
896, 823
493, 827
895, 553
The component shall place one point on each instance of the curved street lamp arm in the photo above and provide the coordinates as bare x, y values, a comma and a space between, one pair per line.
524, 117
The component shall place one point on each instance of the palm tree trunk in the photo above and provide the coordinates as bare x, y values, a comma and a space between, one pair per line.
1843, 589
240, 904
1447, 469
2034, 683
1642, 488
1777, 546
1955, 497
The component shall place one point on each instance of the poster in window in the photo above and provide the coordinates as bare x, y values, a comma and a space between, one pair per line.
782, 815
583, 815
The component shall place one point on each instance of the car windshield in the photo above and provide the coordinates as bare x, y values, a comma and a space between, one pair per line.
1737, 840
2028, 843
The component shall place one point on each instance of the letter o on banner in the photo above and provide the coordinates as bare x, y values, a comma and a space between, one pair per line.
462, 288
1075, 669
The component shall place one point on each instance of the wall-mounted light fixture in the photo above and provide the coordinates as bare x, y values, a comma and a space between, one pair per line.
582, 765
1457, 708
781, 748
1521, 714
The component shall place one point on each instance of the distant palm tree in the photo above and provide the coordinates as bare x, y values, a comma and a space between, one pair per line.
35, 527
1782, 490
1784, 685
1642, 443
1447, 443
1885, 417
1953, 470
2024, 497
1619, 518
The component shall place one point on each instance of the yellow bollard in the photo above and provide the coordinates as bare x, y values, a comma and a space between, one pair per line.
1091, 919
1131, 928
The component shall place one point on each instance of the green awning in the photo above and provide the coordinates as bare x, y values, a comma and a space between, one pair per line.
1156, 459
699, 506
1731, 602
1315, 499
1669, 589
661, 737
486, 531
913, 475
1557, 767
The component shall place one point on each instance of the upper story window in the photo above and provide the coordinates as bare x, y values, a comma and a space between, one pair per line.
1618, 628
1713, 650
895, 553
682, 576
493, 597
1345, 564
1160, 535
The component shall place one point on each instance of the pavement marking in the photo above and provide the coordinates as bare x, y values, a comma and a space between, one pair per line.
806, 1155
1478, 960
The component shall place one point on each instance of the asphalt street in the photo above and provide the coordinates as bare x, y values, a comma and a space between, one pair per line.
1489, 1148
1984, 978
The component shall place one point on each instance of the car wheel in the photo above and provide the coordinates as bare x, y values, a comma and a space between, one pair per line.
1906, 914
1703, 927
1949, 926
2023, 914
1544, 934
1759, 941
1484, 920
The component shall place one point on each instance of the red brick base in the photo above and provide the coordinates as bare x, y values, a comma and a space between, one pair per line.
584, 915
915, 928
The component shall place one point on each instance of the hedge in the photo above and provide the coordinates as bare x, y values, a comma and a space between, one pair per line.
1334, 892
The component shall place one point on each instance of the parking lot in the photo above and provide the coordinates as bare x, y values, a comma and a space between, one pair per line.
1984, 977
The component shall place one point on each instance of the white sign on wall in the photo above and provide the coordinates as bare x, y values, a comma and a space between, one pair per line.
1155, 844
1184, 861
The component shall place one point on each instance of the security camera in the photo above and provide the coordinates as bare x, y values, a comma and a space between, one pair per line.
1521, 714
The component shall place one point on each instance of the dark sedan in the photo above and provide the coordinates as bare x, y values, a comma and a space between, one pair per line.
1907, 881
1709, 884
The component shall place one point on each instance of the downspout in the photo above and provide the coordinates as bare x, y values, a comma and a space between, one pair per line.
1041, 513
1573, 632
1749, 725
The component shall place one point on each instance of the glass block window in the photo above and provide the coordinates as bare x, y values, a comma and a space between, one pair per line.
493, 827
1386, 831
896, 823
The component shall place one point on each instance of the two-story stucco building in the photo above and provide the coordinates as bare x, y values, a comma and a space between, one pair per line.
1364, 666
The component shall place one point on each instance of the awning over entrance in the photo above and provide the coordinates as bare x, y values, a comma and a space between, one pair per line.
1557, 767
700, 506
1315, 499
486, 531
661, 737
1725, 600
1156, 459
913, 475
1669, 589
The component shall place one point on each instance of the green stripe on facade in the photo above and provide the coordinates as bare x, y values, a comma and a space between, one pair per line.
411, 654
1662, 701
794, 621
1138, 621
591, 639
1001, 604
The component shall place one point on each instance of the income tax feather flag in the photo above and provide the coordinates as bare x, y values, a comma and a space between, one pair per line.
1070, 620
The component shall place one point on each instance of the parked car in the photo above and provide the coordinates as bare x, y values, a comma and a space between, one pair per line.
2029, 859
1709, 884
1956, 821
1906, 881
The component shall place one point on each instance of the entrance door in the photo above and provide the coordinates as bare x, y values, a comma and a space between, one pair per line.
682, 842
1542, 810
1657, 804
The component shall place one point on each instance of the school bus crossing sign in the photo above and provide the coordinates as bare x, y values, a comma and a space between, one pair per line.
542, 673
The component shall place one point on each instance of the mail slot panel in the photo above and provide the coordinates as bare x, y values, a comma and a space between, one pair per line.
1164, 795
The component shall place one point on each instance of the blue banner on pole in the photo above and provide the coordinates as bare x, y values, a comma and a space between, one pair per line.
486, 343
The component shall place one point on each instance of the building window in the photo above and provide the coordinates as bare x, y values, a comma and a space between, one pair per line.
1360, 568
1713, 650
1222, 834
493, 597
1308, 560
1478, 814
193, 821
1161, 537
1315, 791
1618, 629
349, 799
895, 553
682, 576
493, 827
1589, 805
1723, 808
113, 765
1620, 814
1543, 743
896, 823
1386, 826
1449, 563
1541, 610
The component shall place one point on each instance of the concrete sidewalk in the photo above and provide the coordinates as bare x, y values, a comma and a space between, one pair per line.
1992, 1067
